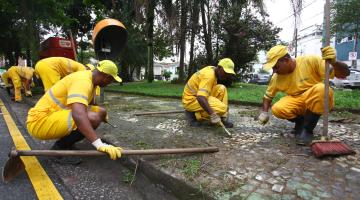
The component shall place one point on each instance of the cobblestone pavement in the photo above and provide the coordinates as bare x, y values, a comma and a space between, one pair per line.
257, 162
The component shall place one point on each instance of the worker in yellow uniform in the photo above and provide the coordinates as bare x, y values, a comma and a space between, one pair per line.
301, 79
204, 99
51, 70
18, 76
62, 112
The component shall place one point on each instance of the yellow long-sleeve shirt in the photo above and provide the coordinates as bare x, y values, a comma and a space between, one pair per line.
309, 71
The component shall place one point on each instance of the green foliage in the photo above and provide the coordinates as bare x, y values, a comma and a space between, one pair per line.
346, 17
167, 74
191, 168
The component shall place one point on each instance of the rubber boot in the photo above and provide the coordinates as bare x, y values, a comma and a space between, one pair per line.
307, 135
67, 143
190, 117
299, 124
227, 123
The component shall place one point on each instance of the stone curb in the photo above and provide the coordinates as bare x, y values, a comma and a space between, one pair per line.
244, 103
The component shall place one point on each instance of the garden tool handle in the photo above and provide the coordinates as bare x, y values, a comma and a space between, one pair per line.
327, 71
225, 129
160, 112
14, 153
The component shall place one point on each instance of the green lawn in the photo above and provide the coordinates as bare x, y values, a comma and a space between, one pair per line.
241, 92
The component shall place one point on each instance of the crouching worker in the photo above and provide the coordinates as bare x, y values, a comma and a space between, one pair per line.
204, 99
19, 77
301, 79
63, 112
51, 70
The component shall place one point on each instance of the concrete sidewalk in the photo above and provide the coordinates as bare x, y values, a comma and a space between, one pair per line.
258, 162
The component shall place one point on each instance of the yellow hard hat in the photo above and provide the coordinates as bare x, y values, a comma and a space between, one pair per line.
109, 67
273, 55
90, 66
228, 65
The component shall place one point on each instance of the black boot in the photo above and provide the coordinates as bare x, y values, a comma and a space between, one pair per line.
299, 124
227, 123
307, 135
67, 143
190, 117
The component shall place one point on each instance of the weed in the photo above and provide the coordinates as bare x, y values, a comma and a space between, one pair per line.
191, 168
127, 176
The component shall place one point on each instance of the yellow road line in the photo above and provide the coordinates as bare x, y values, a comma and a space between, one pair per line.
43, 186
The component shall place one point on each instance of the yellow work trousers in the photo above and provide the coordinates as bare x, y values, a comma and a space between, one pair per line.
47, 75
218, 101
17, 82
289, 107
56, 125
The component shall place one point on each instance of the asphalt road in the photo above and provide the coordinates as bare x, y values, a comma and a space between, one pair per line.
94, 178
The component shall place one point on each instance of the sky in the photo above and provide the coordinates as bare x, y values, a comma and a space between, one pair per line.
281, 14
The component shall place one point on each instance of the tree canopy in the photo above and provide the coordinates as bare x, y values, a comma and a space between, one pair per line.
157, 29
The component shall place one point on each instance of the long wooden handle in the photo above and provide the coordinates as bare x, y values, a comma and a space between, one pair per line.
98, 153
160, 112
327, 71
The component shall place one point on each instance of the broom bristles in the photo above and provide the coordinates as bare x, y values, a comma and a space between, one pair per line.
330, 148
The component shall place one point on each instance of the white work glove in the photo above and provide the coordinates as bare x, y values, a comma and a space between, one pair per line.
114, 152
215, 119
28, 93
329, 54
263, 117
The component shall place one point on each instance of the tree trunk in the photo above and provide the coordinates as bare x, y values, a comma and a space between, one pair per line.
207, 35
354, 62
194, 28
150, 31
182, 39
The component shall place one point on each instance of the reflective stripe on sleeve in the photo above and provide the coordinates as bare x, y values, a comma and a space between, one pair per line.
204, 90
69, 120
191, 89
77, 95
56, 101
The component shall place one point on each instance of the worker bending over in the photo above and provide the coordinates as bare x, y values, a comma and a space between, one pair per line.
62, 112
19, 77
302, 80
51, 70
204, 99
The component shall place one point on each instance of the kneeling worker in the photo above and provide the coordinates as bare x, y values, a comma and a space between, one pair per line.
19, 76
203, 98
62, 113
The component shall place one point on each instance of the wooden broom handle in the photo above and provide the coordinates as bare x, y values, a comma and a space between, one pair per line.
327, 70
159, 112
98, 153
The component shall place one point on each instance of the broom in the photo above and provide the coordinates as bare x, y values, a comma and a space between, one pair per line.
326, 146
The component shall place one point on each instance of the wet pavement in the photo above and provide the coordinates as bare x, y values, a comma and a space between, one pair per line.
257, 162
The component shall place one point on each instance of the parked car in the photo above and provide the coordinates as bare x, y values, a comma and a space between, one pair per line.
352, 81
260, 78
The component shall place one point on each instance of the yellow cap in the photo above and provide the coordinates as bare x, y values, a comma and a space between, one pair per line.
228, 65
109, 67
92, 67
273, 56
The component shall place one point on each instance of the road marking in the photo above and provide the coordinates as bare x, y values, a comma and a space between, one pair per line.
43, 186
